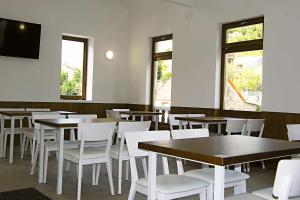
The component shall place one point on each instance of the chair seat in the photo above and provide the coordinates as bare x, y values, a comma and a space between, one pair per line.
175, 183
208, 174
54, 146
89, 153
115, 151
267, 194
245, 197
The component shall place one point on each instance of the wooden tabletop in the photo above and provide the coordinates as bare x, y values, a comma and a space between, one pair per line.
224, 150
203, 119
144, 113
68, 123
15, 113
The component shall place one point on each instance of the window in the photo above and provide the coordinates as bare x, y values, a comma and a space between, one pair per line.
161, 71
73, 77
242, 65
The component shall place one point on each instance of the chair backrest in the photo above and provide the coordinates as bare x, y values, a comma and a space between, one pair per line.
293, 132
90, 132
38, 109
133, 138
189, 133
113, 114
195, 115
235, 125
45, 115
89, 116
287, 180
12, 109
174, 122
124, 127
255, 125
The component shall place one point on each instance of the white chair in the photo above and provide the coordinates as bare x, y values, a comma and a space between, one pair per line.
17, 131
113, 115
123, 116
286, 185
32, 137
91, 132
174, 122
235, 125
294, 134
80, 116
234, 179
168, 186
191, 124
255, 125
120, 151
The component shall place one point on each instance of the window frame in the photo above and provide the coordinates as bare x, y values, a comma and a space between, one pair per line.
84, 68
250, 45
157, 57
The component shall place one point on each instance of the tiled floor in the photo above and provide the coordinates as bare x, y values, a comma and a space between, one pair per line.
16, 176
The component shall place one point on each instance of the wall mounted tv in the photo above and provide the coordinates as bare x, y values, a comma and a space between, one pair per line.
19, 39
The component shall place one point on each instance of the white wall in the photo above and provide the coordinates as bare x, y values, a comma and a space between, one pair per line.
196, 54
38, 80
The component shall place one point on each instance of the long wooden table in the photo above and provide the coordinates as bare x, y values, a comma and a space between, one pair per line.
61, 125
142, 114
206, 120
13, 115
219, 151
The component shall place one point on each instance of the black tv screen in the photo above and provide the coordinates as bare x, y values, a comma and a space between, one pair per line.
19, 39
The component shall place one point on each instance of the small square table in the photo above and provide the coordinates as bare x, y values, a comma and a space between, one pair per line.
219, 151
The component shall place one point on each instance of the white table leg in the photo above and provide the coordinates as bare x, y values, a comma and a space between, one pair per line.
1, 136
142, 118
60, 162
219, 182
12, 136
152, 176
219, 128
180, 124
42, 153
156, 122
133, 117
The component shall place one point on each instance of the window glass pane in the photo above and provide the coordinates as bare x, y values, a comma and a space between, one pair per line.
244, 33
243, 81
162, 84
71, 68
163, 46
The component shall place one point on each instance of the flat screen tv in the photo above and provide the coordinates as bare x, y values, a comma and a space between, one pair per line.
19, 39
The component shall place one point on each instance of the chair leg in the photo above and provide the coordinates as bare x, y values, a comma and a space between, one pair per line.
248, 167
21, 141
36, 154
127, 170
132, 191
68, 166
120, 176
94, 175
98, 173
263, 165
33, 150
79, 181
202, 195
28, 143
144, 163
210, 192
4, 145
23, 146
46, 157
110, 178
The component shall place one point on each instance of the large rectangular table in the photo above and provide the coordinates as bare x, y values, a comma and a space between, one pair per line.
143, 114
61, 125
206, 120
13, 115
219, 151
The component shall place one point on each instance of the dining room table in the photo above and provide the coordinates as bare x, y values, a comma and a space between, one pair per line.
61, 125
217, 151
142, 114
205, 120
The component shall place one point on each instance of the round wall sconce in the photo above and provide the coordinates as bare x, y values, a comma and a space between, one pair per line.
109, 55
